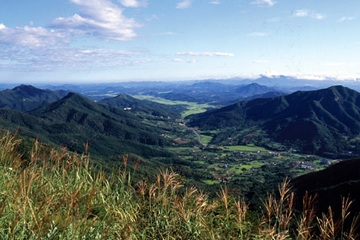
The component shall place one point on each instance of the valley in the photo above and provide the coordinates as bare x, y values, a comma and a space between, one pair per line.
239, 167
209, 144
243, 150
179, 120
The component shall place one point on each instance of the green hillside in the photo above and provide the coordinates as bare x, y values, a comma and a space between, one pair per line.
325, 122
75, 120
26, 97
124, 101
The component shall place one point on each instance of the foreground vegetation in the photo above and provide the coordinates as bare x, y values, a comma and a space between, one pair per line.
56, 194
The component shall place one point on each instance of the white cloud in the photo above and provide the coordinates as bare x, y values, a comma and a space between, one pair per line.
184, 60
32, 37
260, 61
133, 3
307, 13
44, 59
100, 18
343, 19
215, 2
264, 2
257, 34
206, 54
301, 13
153, 17
327, 75
184, 4
318, 16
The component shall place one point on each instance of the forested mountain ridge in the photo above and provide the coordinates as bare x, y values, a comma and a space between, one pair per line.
320, 121
74, 120
125, 128
26, 97
125, 101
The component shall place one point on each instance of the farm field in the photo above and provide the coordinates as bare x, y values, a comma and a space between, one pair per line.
231, 162
192, 107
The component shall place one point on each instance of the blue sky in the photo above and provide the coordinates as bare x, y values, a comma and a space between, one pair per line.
75, 41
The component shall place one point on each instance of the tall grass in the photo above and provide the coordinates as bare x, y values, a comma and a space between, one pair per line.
57, 194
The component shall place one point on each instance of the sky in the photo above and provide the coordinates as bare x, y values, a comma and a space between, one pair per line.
85, 41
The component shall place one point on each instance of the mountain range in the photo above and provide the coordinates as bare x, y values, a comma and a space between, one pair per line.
325, 121
74, 120
216, 93
25, 97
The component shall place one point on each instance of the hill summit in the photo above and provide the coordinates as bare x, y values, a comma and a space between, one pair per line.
26, 98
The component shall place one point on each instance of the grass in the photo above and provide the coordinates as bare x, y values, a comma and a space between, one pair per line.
239, 169
205, 139
245, 148
57, 194
192, 107
211, 182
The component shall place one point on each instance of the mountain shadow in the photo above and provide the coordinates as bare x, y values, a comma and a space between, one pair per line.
340, 180
318, 122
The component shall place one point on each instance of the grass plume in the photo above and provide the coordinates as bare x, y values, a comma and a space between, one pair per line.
57, 194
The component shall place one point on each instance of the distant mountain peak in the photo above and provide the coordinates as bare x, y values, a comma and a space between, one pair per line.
72, 95
29, 89
23, 86
27, 97
76, 99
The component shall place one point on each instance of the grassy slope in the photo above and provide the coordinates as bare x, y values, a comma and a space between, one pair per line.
57, 194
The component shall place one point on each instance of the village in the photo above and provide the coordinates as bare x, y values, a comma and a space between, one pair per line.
227, 163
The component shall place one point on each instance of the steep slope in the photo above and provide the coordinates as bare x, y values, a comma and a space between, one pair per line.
125, 101
75, 120
26, 97
315, 121
330, 185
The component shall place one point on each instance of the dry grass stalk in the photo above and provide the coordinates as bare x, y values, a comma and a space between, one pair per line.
353, 232
278, 213
306, 222
241, 210
327, 225
141, 187
58, 193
